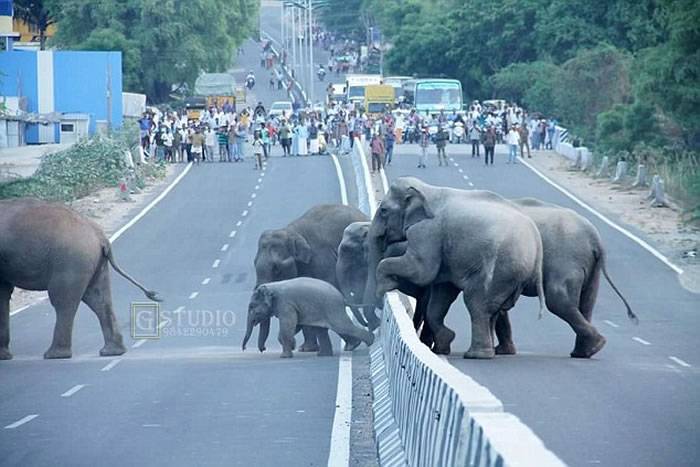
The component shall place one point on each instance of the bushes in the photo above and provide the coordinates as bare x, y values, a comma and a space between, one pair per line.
85, 167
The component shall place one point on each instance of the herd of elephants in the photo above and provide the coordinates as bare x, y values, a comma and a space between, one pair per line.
427, 241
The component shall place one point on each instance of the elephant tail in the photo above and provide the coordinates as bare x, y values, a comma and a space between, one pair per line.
540, 280
107, 252
630, 313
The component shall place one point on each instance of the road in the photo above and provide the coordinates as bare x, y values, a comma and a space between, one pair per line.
191, 397
635, 403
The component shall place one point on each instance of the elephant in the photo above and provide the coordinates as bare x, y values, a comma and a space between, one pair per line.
304, 302
307, 247
574, 257
352, 266
48, 246
475, 242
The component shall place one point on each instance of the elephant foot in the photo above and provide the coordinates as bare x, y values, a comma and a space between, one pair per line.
307, 347
111, 350
5, 354
480, 354
286, 354
57, 352
587, 347
505, 348
442, 350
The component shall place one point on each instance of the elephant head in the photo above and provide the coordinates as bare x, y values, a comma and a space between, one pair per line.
279, 254
351, 267
260, 310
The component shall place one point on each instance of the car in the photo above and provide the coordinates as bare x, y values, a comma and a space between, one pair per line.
281, 107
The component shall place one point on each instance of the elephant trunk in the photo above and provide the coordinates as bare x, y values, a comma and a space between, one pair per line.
248, 331
375, 244
263, 333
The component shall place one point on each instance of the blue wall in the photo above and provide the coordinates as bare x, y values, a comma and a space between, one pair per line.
18, 68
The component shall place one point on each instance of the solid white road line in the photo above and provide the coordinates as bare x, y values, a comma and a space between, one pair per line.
21, 421
206, 281
232, 234
641, 341
224, 247
111, 364
193, 295
611, 324
341, 180
368, 180
138, 343
215, 264
339, 454
73, 390
679, 361
623, 231
19, 310
244, 213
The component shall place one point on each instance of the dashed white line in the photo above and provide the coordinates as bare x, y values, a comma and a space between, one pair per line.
151, 425
245, 213
455, 163
250, 203
239, 223
138, 343
206, 281
21, 421
73, 390
611, 324
254, 195
641, 341
465, 177
225, 247
232, 234
460, 170
111, 364
259, 180
193, 295
163, 323
257, 187
679, 361
216, 263
471, 184
179, 309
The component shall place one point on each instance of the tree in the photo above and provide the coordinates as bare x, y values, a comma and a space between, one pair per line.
37, 13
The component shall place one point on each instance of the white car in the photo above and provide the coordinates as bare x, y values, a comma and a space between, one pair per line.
280, 107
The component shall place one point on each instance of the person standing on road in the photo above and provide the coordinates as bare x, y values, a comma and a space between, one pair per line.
551, 129
489, 139
177, 145
211, 143
241, 135
313, 138
285, 136
474, 137
167, 138
389, 139
441, 138
424, 141
524, 141
258, 146
222, 138
197, 145
513, 141
378, 150
232, 146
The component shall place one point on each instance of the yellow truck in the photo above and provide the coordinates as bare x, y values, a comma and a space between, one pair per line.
379, 99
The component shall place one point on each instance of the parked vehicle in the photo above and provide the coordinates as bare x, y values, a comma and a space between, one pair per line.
278, 108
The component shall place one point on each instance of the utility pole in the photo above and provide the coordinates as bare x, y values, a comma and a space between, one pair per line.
311, 52
109, 95
294, 42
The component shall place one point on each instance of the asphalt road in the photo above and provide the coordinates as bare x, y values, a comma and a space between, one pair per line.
191, 397
629, 405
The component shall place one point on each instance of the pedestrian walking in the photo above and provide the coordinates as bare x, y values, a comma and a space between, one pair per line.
489, 139
424, 141
441, 138
524, 141
475, 137
513, 141
389, 139
258, 149
285, 137
377, 148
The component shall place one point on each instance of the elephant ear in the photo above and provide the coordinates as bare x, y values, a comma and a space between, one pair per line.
301, 249
417, 208
266, 295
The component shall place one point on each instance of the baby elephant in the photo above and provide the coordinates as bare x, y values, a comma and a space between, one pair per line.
303, 302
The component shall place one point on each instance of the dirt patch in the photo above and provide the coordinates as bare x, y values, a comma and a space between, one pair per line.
106, 208
664, 227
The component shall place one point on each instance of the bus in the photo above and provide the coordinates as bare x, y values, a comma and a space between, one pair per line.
433, 95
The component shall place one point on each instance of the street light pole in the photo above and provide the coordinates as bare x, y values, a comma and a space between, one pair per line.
311, 52
294, 42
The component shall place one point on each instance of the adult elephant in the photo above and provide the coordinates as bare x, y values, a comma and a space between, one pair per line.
47, 246
574, 258
307, 247
475, 242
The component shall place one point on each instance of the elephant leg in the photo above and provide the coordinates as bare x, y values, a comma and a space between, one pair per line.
341, 325
418, 268
324, 343
589, 294
480, 313
504, 334
5, 294
351, 343
98, 297
66, 305
441, 297
287, 329
561, 300
310, 342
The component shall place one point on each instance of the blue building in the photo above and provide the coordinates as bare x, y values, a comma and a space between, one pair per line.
79, 92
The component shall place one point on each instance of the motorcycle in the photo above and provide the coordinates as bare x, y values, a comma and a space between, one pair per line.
250, 82
458, 132
321, 74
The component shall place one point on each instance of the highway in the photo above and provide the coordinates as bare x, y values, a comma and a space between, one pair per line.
637, 402
191, 397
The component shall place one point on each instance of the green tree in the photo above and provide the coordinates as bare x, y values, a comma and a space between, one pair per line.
37, 13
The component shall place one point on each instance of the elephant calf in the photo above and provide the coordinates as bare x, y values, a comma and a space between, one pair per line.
312, 303
47, 246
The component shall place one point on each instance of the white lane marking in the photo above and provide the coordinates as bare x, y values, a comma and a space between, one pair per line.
465, 177
232, 234
138, 343
340, 435
679, 361
19, 310
164, 322
224, 247
193, 295
455, 163
262, 174
368, 181
179, 309
245, 213
471, 184
239, 223
341, 180
250, 203
216, 263
385, 182
460, 170
21, 421
600, 216
151, 425
73, 390
111, 364
257, 187
259, 180
641, 341
611, 324
254, 195
206, 281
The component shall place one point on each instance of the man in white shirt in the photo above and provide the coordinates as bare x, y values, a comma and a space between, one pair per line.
210, 142
513, 141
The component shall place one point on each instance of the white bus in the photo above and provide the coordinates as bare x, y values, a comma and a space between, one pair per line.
433, 95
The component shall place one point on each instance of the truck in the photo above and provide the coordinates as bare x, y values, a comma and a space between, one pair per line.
213, 90
379, 98
355, 87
